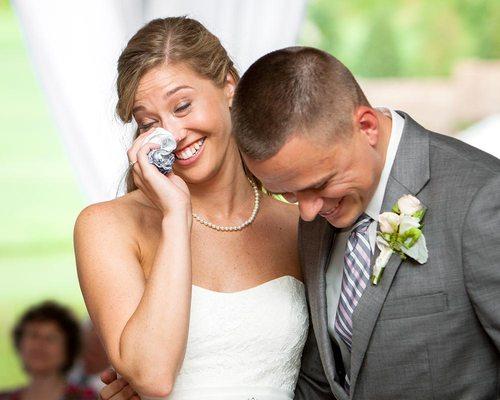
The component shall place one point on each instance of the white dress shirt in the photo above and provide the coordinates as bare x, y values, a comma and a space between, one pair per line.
336, 267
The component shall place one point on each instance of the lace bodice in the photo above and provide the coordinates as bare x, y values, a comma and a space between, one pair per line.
245, 344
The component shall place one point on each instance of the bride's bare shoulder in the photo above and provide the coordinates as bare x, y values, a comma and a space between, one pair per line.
123, 213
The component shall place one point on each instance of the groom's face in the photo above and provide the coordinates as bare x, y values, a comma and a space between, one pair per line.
335, 178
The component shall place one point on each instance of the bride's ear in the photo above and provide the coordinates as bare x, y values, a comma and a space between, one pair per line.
230, 87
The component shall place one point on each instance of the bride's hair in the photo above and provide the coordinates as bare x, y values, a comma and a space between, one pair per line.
176, 40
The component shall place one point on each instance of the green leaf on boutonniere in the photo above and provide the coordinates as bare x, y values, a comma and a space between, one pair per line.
394, 241
400, 233
419, 214
386, 236
411, 234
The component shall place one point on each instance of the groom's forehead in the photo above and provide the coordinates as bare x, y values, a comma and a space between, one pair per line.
272, 173
288, 171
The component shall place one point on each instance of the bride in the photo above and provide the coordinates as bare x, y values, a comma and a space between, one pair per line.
186, 307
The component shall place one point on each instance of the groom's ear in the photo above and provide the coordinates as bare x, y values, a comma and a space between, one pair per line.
366, 121
230, 87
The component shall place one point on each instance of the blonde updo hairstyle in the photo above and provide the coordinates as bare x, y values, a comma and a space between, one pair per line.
174, 40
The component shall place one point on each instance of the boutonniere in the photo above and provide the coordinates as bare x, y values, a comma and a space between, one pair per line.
400, 233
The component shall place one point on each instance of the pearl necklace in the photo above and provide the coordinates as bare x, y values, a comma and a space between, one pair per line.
238, 227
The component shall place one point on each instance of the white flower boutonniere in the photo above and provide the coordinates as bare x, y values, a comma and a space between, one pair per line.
401, 233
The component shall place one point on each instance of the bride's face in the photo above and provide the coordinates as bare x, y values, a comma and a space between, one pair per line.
195, 110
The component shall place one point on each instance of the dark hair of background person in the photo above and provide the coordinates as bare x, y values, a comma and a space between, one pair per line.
290, 90
50, 311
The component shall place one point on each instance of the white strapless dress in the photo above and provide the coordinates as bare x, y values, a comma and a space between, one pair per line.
244, 345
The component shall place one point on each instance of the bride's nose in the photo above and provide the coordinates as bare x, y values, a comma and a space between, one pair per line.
178, 132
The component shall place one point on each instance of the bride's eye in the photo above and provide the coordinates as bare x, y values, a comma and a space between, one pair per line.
183, 107
145, 127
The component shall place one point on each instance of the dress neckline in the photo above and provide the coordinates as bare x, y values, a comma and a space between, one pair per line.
260, 286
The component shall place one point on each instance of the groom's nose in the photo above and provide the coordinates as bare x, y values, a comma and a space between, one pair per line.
310, 204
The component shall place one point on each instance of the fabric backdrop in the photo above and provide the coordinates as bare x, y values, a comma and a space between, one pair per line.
74, 46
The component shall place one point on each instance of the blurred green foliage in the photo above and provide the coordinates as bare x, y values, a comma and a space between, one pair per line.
382, 38
39, 199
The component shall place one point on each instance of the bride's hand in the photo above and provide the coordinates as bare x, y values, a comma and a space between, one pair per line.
167, 192
116, 388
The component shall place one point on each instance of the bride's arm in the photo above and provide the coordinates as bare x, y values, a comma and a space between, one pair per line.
143, 323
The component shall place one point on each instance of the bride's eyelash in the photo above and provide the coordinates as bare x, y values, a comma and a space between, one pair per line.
183, 107
146, 126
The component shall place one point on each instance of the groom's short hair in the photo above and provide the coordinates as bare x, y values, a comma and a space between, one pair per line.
292, 89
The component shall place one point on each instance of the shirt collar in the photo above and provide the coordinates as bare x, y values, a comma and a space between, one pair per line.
373, 208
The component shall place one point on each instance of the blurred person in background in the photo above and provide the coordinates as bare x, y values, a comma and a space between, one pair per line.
92, 361
47, 339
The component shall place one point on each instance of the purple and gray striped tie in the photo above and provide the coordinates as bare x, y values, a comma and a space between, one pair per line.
355, 278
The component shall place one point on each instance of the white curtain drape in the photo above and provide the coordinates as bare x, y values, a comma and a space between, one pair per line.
74, 46
484, 135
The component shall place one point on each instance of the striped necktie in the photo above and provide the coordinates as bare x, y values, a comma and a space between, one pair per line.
355, 278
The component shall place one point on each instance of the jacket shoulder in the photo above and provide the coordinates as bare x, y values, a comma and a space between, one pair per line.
458, 154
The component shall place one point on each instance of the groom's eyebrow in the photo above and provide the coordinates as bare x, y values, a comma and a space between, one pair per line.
319, 183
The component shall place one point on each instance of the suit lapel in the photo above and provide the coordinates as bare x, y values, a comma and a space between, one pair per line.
409, 174
316, 239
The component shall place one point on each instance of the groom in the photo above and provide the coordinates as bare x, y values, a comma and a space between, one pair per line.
425, 331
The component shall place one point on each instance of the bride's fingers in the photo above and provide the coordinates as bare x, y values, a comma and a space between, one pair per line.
126, 393
142, 154
108, 376
147, 170
137, 144
152, 181
114, 388
142, 165
137, 174
139, 182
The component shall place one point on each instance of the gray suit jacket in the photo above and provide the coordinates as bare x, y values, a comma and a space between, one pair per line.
427, 331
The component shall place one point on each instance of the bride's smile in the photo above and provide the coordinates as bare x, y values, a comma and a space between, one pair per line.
144, 257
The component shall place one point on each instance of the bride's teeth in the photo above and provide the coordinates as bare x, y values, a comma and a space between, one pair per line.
191, 151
